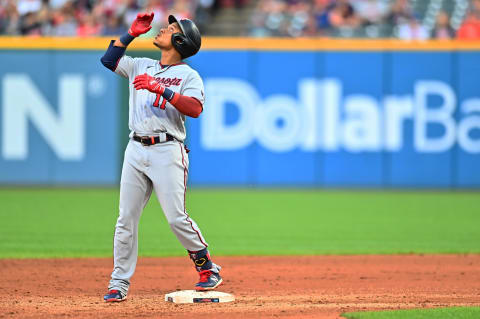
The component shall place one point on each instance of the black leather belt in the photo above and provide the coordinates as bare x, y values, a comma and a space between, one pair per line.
152, 140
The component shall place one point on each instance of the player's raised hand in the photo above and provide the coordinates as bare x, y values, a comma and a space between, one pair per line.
147, 82
141, 24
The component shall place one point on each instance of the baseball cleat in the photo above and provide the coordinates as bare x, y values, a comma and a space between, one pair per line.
208, 280
114, 296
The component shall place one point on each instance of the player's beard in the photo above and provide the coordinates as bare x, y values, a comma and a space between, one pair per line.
163, 47
157, 45
157, 41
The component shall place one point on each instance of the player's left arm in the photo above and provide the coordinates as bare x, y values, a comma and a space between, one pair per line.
186, 105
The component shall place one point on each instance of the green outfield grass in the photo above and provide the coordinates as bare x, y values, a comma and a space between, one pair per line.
439, 313
80, 222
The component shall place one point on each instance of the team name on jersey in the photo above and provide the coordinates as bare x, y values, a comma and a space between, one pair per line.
169, 81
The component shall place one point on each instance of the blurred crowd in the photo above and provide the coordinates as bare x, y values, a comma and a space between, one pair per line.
406, 19
97, 17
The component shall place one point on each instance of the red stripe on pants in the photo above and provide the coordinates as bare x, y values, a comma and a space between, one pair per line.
184, 197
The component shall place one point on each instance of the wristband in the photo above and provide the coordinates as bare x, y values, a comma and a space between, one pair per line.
126, 38
168, 94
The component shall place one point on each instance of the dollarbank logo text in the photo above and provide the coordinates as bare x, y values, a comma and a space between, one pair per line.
321, 117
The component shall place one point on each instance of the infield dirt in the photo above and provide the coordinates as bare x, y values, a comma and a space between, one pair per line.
264, 287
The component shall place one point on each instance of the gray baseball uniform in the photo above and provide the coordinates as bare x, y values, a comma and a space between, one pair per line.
162, 167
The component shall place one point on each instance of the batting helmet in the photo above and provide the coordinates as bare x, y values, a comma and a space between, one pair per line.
188, 43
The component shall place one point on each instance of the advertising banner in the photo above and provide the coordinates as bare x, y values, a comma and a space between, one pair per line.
373, 119
58, 119
286, 118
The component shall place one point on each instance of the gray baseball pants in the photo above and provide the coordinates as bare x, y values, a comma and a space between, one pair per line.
162, 168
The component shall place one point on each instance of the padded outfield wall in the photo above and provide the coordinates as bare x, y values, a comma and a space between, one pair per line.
314, 113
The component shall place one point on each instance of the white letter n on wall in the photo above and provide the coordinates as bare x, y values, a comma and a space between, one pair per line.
23, 102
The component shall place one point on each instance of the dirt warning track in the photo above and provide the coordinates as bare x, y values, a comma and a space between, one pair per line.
264, 287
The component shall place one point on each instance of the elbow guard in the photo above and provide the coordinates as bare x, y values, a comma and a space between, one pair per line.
112, 56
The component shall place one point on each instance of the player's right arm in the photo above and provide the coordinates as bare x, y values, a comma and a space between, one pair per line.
114, 58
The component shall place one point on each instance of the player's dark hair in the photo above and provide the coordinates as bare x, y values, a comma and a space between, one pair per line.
187, 43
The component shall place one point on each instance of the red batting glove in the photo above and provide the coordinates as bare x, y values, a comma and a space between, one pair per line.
147, 82
141, 24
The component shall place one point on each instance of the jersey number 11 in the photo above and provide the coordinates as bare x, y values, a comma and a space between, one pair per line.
157, 100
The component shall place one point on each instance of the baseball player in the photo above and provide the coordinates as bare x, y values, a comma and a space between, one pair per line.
162, 94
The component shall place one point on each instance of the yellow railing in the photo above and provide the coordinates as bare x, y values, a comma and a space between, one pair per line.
228, 43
